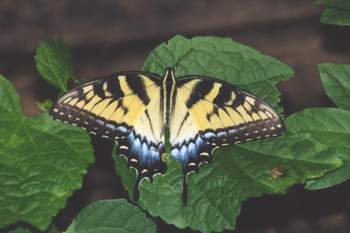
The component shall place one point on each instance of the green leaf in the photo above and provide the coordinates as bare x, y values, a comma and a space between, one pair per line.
336, 81
331, 127
217, 191
221, 58
20, 230
337, 12
340, 4
53, 229
45, 106
237, 173
53, 61
332, 178
336, 16
128, 175
9, 99
41, 163
109, 216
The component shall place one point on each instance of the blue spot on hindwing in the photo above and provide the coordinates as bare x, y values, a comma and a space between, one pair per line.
175, 153
222, 134
110, 127
154, 155
183, 154
209, 135
147, 155
131, 137
232, 131
192, 151
199, 142
136, 146
144, 148
122, 129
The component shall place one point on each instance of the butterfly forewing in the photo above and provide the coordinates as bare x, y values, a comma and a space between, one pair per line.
214, 114
125, 107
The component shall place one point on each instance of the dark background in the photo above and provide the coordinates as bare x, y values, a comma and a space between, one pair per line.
109, 35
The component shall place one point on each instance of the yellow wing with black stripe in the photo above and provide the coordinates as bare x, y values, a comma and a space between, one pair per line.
202, 114
125, 107
210, 113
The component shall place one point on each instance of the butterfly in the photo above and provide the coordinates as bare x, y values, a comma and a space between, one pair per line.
135, 109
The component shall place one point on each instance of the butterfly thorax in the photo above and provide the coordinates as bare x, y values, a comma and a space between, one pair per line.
168, 93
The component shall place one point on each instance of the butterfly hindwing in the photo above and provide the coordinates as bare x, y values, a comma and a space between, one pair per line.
125, 107
210, 113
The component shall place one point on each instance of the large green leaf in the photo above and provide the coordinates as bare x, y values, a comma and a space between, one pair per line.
335, 16
53, 61
41, 162
336, 81
224, 59
217, 191
337, 12
331, 127
109, 216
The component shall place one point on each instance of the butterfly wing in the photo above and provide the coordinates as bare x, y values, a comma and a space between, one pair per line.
210, 113
124, 107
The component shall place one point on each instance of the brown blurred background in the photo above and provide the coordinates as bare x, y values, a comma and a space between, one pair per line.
110, 35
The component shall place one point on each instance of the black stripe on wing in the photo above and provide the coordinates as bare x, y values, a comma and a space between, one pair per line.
106, 88
199, 149
199, 91
142, 154
138, 86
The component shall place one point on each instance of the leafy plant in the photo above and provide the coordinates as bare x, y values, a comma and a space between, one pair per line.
238, 172
42, 161
336, 12
330, 126
53, 62
111, 216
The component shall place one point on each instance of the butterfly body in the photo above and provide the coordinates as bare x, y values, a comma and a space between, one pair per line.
135, 108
